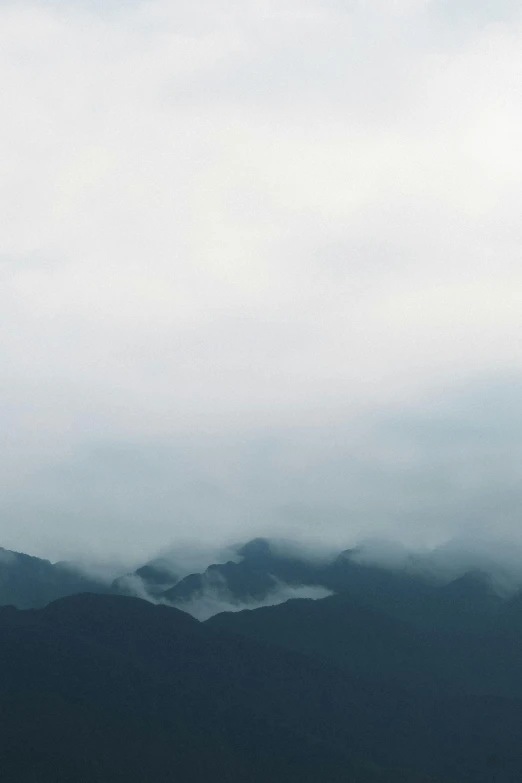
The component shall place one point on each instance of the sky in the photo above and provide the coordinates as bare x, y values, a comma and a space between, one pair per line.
260, 272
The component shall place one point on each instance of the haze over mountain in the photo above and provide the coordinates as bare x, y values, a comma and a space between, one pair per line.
269, 571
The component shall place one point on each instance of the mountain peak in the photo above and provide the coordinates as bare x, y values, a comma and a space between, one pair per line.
258, 548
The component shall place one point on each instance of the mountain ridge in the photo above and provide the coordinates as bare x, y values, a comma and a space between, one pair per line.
207, 703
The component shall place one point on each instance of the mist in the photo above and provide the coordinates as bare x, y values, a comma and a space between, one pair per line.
499, 564
211, 601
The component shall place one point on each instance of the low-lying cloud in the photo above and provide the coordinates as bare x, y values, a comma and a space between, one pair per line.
215, 597
212, 601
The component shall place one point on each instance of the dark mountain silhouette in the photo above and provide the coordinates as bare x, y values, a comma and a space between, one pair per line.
342, 631
394, 677
461, 636
109, 688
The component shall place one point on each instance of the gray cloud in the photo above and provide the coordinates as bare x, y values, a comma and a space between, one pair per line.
259, 272
448, 468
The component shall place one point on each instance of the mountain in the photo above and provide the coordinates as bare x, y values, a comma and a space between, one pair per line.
467, 638
260, 573
255, 575
111, 688
154, 578
29, 582
261, 569
342, 631
393, 677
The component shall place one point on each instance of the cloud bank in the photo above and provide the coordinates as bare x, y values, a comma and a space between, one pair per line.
259, 271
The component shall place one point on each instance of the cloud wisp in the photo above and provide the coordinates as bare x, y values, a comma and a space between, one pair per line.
212, 601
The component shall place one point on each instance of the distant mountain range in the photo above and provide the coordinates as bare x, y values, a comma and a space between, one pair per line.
261, 569
393, 676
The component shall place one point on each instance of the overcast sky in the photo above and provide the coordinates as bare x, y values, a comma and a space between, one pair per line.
260, 271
